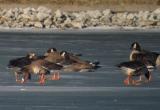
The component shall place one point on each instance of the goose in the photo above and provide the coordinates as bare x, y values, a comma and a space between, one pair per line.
18, 63
41, 67
71, 65
139, 54
52, 55
134, 68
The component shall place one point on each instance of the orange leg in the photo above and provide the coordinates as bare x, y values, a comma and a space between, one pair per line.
56, 76
42, 79
127, 80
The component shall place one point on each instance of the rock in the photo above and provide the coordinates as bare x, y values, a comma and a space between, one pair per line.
24, 16
152, 17
28, 11
3, 12
58, 13
71, 16
33, 18
119, 19
131, 19
6, 24
130, 16
77, 25
157, 11
122, 16
29, 14
42, 16
9, 14
29, 24
92, 22
59, 17
81, 17
107, 12
17, 25
94, 14
147, 18
60, 20
67, 23
53, 26
106, 18
72, 24
144, 15
158, 23
147, 23
2, 20
38, 25
42, 9
47, 23
158, 17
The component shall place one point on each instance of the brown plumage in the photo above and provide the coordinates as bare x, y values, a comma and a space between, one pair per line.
40, 67
53, 56
72, 65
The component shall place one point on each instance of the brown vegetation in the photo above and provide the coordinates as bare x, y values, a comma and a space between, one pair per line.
77, 5
85, 2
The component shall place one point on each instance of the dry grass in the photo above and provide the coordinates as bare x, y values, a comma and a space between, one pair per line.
77, 5
84, 2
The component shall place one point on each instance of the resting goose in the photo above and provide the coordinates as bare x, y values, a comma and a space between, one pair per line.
41, 67
71, 65
17, 64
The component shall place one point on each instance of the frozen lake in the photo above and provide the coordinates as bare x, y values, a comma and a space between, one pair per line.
99, 90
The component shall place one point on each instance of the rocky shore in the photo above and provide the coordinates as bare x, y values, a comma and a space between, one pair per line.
45, 18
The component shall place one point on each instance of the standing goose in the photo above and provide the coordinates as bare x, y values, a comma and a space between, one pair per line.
138, 54
134, 68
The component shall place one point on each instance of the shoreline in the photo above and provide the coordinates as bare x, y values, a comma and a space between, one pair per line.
75, 7
79, 31
43, 18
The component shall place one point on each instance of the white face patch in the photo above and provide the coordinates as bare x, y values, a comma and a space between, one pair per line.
150, 68
63, 54
52, 50
135, 46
